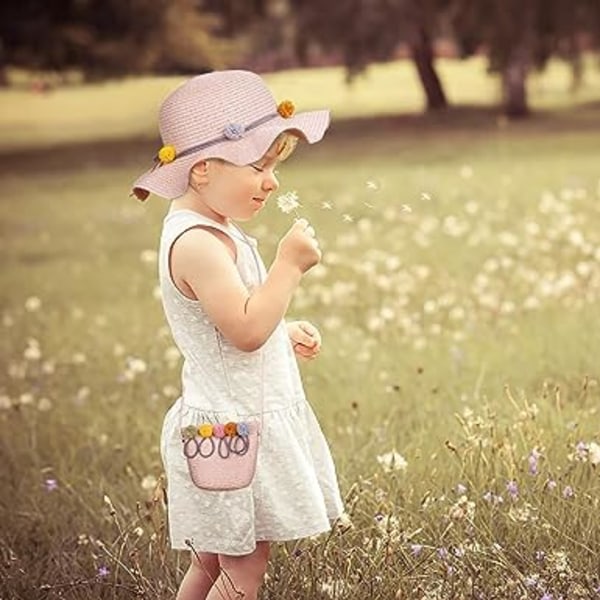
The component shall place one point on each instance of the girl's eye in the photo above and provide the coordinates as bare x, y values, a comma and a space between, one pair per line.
257, 168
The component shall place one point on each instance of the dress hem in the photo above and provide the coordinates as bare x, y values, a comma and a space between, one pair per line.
272, 539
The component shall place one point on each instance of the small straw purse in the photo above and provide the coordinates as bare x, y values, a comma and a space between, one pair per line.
222, 456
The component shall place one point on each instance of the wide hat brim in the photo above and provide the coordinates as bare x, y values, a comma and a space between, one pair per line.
171, 180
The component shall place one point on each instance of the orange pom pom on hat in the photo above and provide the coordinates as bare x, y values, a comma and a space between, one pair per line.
230, 115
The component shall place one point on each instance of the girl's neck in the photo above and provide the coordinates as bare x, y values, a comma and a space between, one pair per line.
194, 203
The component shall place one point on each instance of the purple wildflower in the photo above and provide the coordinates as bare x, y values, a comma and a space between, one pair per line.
51, 485
546, 596
461, 489
442, 553
416, 549
551, 485
532, 460
103, 571
568, 492
513, 489
540, 555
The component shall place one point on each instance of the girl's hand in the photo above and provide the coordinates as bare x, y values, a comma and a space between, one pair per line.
305, 338
299, 247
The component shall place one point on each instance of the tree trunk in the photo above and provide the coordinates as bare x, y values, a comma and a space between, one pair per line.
422, 55
514, 88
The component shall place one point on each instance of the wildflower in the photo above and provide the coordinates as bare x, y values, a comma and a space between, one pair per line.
51, 485
32, 304
44, 405
442, 553
461, 489
551, 485
149, 256
392, 461
513, 489
416, 549
532, 461
540, 555
149, 482
103, 571
546, 596
568, 492
288, 202
594, 453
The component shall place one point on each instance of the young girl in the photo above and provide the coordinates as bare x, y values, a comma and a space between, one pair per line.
224, 135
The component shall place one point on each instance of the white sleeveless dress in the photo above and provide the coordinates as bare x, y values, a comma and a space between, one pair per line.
295, 492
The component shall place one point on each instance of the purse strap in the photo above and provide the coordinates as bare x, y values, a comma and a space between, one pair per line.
244, 239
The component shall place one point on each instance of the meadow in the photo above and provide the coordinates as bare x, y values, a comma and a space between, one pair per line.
458, 384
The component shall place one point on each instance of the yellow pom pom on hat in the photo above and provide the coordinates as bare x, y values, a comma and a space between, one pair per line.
167, 154
231, 115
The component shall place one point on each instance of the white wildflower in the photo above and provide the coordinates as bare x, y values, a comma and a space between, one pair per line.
149, 482
32, 304
149, 256
392, 461
288, 202
44, 405
594, 453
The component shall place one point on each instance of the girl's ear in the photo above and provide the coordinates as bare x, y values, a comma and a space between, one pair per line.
199, 174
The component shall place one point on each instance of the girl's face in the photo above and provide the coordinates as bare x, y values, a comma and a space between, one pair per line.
240, 192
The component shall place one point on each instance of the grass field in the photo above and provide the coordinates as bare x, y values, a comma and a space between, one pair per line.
458, 304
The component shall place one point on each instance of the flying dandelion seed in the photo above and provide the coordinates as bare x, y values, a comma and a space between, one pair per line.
425, 196
288, 202
368, 205
347, 218
406, 208
326, 205
372, 185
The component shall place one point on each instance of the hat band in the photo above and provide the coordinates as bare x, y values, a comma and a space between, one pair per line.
233, 131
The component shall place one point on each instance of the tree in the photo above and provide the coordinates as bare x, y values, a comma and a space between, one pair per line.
366, 31
521, 35
112, 37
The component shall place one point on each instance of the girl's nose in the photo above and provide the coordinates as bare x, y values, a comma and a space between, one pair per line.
270, 183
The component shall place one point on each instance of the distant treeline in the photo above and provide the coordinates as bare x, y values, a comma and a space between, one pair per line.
108, 38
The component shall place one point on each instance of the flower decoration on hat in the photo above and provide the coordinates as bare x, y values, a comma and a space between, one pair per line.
234, 131
167, 154
286, 109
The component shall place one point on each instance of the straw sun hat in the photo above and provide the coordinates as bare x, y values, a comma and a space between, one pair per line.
230, 115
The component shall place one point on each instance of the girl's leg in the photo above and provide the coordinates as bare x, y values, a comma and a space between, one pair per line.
241, 576
199, 578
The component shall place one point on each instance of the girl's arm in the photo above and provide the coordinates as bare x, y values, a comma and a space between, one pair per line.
206, 264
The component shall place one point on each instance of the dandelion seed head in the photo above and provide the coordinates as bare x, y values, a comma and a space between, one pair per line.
288, 202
